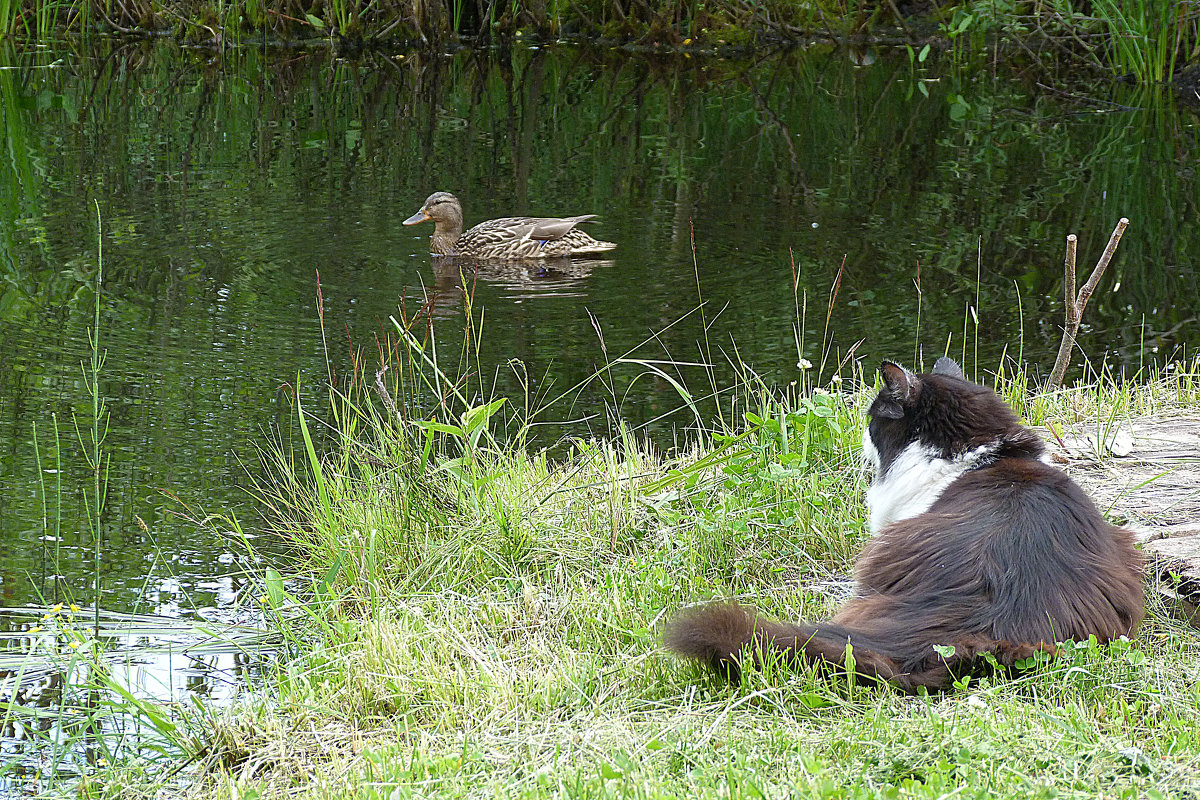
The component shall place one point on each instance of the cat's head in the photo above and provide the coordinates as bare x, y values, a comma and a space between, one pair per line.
945, 414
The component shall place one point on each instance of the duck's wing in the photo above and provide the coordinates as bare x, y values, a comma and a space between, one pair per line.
550, 228
541, 229
527, 237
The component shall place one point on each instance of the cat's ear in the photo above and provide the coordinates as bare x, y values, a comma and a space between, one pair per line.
947, 366
900, 387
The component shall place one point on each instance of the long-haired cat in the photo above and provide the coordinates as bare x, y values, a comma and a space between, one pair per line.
978, 543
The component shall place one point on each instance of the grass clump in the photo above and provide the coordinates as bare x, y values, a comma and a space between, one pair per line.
470, 616
1102, 395
1146, 41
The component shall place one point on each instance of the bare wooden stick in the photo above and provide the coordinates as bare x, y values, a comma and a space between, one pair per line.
1069, 278
1085, 293
1075, 304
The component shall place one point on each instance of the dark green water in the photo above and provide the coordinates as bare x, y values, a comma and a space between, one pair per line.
226, 184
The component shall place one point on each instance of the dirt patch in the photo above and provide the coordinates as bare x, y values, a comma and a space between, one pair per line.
1145, 473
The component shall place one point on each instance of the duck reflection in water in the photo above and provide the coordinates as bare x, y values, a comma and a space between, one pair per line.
456, 276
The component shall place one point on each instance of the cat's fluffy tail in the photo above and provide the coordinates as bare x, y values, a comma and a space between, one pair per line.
721, 635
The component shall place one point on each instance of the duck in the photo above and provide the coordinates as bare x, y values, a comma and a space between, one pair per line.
504, 238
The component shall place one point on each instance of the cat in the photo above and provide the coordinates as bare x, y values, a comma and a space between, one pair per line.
978, 544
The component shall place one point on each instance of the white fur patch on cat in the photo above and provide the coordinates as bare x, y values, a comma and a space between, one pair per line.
914, 480
870, 454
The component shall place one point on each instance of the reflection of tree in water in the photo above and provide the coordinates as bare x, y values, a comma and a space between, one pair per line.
760, 151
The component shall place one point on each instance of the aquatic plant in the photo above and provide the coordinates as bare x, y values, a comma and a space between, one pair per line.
1146, 39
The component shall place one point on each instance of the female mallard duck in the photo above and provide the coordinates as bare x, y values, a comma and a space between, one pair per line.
508, 237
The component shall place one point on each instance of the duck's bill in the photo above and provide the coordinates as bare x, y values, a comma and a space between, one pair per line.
415, 218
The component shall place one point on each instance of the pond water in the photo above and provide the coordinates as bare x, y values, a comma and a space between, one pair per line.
226, 184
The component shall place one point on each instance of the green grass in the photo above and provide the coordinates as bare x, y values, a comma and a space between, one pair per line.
656, 23
467, 617
1145, 40
1102, 395
1149, 37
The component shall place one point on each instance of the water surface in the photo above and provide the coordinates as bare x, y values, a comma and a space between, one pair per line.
226, 184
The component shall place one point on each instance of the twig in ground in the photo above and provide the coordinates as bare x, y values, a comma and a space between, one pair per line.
384, 393
1075, 304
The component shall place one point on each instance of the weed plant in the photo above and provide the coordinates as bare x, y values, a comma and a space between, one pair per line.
736, 22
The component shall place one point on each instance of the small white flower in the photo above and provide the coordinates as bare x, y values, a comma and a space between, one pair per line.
804, 363
836, 379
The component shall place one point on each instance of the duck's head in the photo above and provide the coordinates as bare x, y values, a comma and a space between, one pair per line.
441, 207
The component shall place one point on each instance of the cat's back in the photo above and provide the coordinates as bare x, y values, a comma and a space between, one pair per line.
1014, 550
1017, 486
1014, 516
1024, 510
